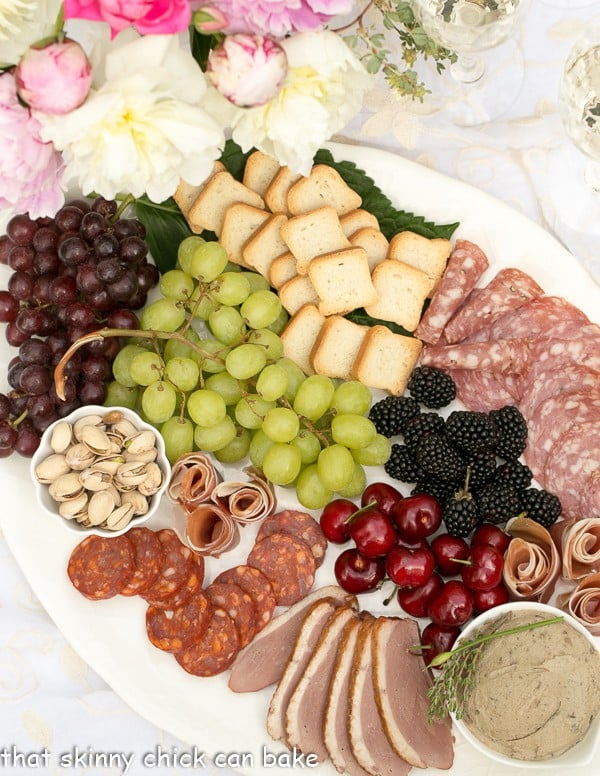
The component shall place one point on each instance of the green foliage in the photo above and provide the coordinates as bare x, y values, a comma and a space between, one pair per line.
165, 229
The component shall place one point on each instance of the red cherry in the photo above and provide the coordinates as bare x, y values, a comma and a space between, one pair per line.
438, 639
445, 549
453, 605
488, 599
409, 568
334, 520
415, 601
372, 532
357, 574
417, 516
381, 495
488, 533
483, 570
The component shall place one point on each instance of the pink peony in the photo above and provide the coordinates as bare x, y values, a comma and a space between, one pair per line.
280, 17
209, 19
149, 17
30, 170
54, 79
247, 69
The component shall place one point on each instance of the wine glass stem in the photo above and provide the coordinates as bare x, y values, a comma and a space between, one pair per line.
468, 68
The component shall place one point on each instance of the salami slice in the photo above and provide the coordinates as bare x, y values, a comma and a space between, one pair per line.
543, 384
481, 391
507, 291
466, 265
238, 605
148, 557
589, 505
503, 356
289, 565
174, 630
100, 567
258, 587
556, 353
184, 592
299, 524
175, 570
216, 649
535, 317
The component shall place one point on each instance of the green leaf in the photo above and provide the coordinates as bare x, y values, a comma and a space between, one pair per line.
361, 317
235, 159
201, 46
165, 229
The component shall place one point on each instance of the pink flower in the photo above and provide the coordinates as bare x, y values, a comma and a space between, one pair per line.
277, 18
208, 19
149, 17
247, 69
30, 170
54, 79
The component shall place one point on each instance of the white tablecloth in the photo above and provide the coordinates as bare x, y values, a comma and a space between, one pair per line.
50, 700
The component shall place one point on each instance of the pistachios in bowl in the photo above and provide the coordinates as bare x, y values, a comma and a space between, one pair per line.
100, 470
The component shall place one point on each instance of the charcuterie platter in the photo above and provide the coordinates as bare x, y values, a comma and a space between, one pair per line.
110, 635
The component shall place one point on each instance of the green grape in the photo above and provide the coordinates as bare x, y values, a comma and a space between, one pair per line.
313, 397
159, 401
118, 395
261, 309
272, 343
178, 434
163, 315
251, 410
279, 323
257, 282
353, 397
356, 485
311, 492
227, 325
353, 431
147, 367
259, 445
245, 361
206, 408
174, 348
295, 377
215, 437
376, 454
308, 444
184, 373
236, 449
230, 288
201, 304
176, 284
208, 261
212, 356
272, 382
186, 250
281, 424
282, 463
226, 386
231, 267
335, 466
121, 366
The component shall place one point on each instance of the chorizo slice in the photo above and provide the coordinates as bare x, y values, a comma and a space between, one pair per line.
148, 557
258, 587
216, 649
299, 524
175, 629
100, 567
289, 565
238, 605
175, 570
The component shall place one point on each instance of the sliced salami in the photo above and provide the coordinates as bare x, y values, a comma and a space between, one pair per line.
481, 391
148, 557
589, 505
216, 649
535, 317
100, 567
554, 353
176, 567
466, 265
183, 593
507, 291
573, 461
238, 605
176, 629
548, 382
289, 565
299, 524
504, 356
258, 587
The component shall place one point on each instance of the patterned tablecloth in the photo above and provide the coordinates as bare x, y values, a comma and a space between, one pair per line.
50, 700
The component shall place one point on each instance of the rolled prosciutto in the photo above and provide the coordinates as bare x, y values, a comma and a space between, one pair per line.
532, 563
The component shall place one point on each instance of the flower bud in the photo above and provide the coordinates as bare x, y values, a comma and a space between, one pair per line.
209, 19
247, 69
55, 78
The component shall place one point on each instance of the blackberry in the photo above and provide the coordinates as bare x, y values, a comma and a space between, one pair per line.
438, 460
512, 432
431, 386
471, 431
401, 464
460, 513
416, 428
498, 503
541, 506
390, 414
436, 488
482, 465
513, 473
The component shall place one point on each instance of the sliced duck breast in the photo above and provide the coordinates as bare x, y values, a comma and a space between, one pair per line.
401, 682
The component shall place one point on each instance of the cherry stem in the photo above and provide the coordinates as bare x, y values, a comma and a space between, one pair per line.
387, 601
359, 512
464, 562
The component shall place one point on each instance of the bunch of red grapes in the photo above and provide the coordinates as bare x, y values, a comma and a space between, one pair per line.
396, 538
81, 270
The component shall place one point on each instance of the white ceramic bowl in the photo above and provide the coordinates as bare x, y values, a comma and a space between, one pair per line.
583, 752
51, 507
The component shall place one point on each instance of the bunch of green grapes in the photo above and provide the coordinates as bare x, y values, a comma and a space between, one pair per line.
233, 393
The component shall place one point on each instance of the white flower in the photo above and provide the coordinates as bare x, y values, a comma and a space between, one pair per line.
142, 128
23, 22
322, 91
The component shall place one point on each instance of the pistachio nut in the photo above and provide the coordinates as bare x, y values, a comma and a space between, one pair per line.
74, 508
79, 457
100, 506
120, 517
124, 429
66, 487
112, 417
153, 481
140, 442
51, 468
96, 439
137, 500
62, 435
88, 420
94, 479
147, 457
130, 474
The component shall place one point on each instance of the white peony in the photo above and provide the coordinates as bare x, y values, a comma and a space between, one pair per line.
23, 22
143, 126
323, 89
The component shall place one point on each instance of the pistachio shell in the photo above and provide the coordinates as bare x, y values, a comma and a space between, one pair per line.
93, 479
87, 420
130, 474
96, 439
62, 435
115, 494
79, 457
120, 517
100, 507
66, 487
110, 464
124, 428
154, 480
141, 442
51, 468
147, 457
75, 507
115, 416
137, 500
